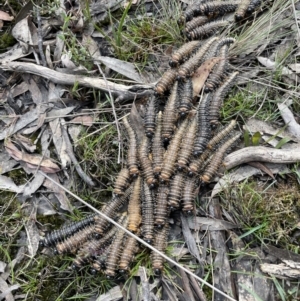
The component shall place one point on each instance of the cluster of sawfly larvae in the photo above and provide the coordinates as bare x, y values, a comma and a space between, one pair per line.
204, 18
181, 149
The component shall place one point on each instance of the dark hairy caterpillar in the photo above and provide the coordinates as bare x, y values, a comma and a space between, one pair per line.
94, 247
160, 243
166, 81
116, 250
188, 195
206, 30
110, 209
149, 119
218, 98
157, 146
186, 148
183, 52
195, 22
241, 10
145, 163
175, 192
219, 71
56, 236
185, 90
217, 158
169, 115
122, 181
217, 8
132, 150
161, 211
221, 134
148, 214
71, 243
204, 131
131, 248
134, 206
171, 154
191, 65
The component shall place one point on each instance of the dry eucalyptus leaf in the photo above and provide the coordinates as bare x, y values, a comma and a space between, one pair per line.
67, 62
212, 224
202, 73
26, 32
295, 67
269, 64
113, 294
5, 16
6, 290
288, 117
243, 173
33, 237
8, 184
86, 120
33, 161
125, 68
22, 122
14, 53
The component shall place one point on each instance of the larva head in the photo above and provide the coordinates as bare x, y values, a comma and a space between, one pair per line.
238, 17
157, 270
75, 267
173, 63
197, 153
188, 209
134, 172
42, 243
189, 35
55, 251
93, 271
149, 134
207, 89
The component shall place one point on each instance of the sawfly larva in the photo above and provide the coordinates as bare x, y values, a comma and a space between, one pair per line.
131, 248
110, 210
186, 148
116, 250
149, 119
195, 22
206, 30
175, 191
169, 115
134, 207
132, 150
59, 235
218, 98
166, 81
157, 146
160, 243
122, 181
72, 243
94, 247
218, 8
218, 73
171, 154
148, 214
189, 67
183, 53
161, 211
221, 135
204, 130
217, 159
185, 97
145, 163
188, 195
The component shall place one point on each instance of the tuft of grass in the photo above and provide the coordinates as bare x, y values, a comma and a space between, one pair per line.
268, 213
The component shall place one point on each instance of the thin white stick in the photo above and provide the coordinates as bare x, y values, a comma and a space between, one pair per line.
137, 238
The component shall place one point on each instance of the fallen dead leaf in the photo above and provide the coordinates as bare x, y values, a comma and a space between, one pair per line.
5, 16
33, 161
83, 120
202, 73
269, 64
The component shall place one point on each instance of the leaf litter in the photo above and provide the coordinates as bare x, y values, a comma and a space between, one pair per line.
45, 117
